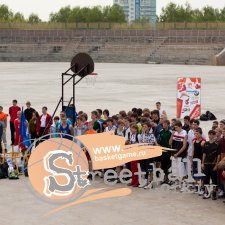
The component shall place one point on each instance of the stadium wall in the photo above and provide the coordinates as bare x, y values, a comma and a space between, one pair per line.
197, 46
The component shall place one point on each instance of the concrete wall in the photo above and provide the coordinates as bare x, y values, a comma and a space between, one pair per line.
219, 59
106, 45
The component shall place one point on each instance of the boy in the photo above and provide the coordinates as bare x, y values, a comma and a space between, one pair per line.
65, 129
133, 138
178, 141
96, 125
53, 128
110, 126
210, 160
164, 138
13, 115
147, 137
3, 122
161, 111
186, 123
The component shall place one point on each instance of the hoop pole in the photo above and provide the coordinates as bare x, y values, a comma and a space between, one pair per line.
75, 75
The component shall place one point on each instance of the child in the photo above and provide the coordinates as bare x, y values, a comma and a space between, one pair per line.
120, 132
133, 139
53, 128
110, 126
147, 137
90, 130
65, 129
210, 160
197, 152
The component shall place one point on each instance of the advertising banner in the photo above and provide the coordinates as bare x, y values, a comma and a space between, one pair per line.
188, 97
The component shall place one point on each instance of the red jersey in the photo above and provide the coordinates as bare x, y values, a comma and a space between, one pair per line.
13, 112
18, 138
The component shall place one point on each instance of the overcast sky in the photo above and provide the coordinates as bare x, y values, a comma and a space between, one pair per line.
44, 7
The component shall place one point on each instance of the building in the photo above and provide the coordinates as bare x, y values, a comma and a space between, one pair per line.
138, 9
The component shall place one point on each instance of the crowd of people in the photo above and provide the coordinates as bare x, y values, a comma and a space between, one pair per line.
187, 140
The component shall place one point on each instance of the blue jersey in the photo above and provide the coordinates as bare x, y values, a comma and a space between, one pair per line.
65, 131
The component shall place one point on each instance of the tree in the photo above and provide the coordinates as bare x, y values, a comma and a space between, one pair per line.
5, 13
18, 17
62, 16
33, 18
116, 14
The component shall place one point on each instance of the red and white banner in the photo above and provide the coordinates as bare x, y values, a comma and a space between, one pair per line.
188, 97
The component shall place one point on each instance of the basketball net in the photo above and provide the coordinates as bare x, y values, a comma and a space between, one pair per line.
91, 79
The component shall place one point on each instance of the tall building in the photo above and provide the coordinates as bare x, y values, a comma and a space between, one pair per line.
137, 9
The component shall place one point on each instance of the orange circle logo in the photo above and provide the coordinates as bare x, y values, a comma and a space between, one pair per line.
58, 170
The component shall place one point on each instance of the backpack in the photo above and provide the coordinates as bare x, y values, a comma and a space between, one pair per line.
3, 170
204, 117
210, 115
12, 174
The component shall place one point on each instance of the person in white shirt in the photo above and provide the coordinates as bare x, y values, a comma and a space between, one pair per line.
110, 126
161, 111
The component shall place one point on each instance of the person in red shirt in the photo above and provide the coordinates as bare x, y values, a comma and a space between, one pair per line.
44, 124
3, 121
18, 140
13, 115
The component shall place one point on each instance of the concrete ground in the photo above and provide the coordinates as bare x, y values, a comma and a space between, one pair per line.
119, 86
20, 207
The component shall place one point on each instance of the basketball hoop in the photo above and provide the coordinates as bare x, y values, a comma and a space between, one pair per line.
91, 79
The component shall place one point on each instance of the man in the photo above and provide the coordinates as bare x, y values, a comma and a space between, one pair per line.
45, 123
28, 112
13, 115
161, 111
186, 123
3, 122
210, 162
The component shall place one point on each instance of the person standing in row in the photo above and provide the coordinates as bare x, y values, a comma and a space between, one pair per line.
28, 112
44, 124
3, 122
13, 110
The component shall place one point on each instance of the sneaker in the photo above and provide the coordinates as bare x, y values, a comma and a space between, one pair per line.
201, 192
145, 183
149, 186
220, 194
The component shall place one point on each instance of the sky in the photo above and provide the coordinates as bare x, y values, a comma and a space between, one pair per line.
44, 7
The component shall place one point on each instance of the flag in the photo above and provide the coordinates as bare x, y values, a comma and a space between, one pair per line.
24, 130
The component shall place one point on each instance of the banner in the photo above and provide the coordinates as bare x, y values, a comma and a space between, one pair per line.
188, 97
